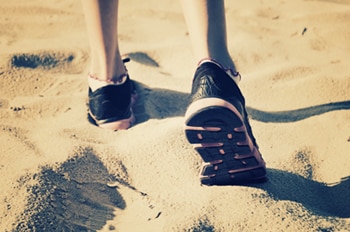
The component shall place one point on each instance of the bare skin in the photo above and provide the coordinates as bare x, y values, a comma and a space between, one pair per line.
205, 20
206, 23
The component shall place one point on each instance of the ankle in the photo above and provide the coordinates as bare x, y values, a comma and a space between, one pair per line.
96, 83
98, 79
106, 68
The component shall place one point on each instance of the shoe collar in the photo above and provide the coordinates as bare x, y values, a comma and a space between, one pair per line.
233, 74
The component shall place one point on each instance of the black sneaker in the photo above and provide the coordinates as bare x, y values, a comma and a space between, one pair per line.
216, 123
110, 106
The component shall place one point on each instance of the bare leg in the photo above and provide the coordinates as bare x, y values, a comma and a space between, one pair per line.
101, 18
206, 23
110, 94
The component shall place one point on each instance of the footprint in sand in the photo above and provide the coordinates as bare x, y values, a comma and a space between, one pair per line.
72, 61
71, 197
44, 60
80, 194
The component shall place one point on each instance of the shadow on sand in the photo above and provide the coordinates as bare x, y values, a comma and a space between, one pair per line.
163, 103
296, 115
326, 200
71, 197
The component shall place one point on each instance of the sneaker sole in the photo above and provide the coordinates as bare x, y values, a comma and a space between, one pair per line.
216, 129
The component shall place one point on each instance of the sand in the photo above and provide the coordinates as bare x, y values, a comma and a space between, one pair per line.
60, 173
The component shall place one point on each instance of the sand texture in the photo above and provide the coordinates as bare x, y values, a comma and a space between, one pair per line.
60, 173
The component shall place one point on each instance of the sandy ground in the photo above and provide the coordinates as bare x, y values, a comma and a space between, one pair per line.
60, 173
